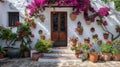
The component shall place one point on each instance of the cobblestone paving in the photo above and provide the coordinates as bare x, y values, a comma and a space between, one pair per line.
27, 62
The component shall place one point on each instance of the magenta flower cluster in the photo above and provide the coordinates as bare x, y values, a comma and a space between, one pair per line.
103, 11
80, 5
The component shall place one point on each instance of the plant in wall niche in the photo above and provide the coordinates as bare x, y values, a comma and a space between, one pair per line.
95, 37
117, 28
92, 29
42, 17
73, 16
87, 40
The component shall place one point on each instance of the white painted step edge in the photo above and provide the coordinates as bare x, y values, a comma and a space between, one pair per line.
56, 55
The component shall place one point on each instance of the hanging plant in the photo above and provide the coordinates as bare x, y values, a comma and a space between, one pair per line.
117, 28
106, 35
42, 17
73, 16
92, 29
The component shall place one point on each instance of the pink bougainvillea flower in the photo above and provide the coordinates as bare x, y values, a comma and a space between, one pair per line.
108, 42
103, 11
32, 35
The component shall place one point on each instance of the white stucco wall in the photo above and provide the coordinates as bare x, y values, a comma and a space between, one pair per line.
19, 6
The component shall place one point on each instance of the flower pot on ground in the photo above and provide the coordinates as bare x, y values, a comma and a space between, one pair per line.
43, 46
13, 52
25, 51
36, 55
116, 54
2, 53
73, 16
105, 35
106, 52
93, 56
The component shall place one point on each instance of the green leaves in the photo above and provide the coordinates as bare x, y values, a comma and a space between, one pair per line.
106, 48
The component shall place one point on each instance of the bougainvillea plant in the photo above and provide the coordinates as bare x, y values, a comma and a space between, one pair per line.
24, 33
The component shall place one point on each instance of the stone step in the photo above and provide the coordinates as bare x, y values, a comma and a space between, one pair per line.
61, 51
59, 54
59, 59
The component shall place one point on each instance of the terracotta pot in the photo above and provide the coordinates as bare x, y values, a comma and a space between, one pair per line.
106, 56
106, 35
116, 57
43, 37
92, 29
77, 55
117, 29
2, 55
80, 32
36, 55
33, 26
26, 54
88, 22
74, 43
99, 43
86, 41
42, 19
77, 51
93, 57
73, 16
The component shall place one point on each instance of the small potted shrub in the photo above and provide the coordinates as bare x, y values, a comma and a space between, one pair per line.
93, 56
99, 42
2, 53
42, 17
79, 30
105, 35
106, 51
42, 46
88, 21
25, 50
117, 28
116, 54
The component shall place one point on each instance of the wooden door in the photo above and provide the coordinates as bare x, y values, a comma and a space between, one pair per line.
59, 28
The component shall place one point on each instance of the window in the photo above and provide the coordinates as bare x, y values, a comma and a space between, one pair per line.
13, 17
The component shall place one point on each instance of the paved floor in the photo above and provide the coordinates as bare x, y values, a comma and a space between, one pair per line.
27, 62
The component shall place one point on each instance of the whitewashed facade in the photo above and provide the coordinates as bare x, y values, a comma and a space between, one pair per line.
19, 6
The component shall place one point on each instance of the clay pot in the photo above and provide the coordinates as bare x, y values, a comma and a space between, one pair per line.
2, 55
26, 54
86, 41
33, 26
106, 35
99, 43
43, 37
77, 55
93, 57
36, 55
73, 16
117, 29
42, 19
106, 56
80, 32
88, 22
116, 57
74, 43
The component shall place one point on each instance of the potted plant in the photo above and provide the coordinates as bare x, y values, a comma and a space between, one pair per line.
116, 54
42, 46
105, 35
24, 37
87, 40
99, 42
79, 30
116, 49
88, 21
73, 16
77, 50
93, 55
73, 41
42, 17
106, 51
25, 50
2, 53
117, 28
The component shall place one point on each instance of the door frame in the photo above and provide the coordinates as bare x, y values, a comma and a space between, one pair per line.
66, 24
